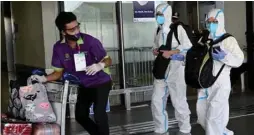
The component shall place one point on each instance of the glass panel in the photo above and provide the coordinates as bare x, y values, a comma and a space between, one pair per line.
138, 42
99, 20
204, 8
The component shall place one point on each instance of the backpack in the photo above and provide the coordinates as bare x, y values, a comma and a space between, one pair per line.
199, 64
188, 31
160, 64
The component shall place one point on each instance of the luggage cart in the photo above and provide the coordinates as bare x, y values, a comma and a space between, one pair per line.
58, 93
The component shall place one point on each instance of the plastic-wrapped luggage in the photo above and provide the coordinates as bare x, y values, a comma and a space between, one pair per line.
15, 108
11, 126
46, 129
35, 100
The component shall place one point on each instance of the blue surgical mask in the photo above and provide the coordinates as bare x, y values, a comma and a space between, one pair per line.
160, 20
213, 27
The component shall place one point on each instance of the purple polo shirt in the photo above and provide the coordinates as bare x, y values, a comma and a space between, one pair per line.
63, 59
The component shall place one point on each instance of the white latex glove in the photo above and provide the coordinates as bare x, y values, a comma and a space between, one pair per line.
40, 79
93, 69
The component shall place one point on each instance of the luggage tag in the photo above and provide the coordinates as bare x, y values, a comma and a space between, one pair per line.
80, 61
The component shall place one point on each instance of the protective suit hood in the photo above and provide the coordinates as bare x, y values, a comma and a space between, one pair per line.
166, 10
162, 31
218, 14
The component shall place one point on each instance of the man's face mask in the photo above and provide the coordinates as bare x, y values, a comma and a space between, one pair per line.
73, 37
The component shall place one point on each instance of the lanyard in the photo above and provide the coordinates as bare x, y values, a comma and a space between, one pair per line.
78, 46
163, 39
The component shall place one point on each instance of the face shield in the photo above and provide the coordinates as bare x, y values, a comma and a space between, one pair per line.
212, 24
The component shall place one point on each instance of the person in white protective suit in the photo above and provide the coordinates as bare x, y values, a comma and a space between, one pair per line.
212, 104
174, 82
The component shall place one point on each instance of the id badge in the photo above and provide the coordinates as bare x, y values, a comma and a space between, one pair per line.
80, 61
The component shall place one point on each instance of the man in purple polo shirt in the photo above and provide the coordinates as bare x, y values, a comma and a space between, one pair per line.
83, 56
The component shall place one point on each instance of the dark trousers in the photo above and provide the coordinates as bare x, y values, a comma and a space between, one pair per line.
98, 96
235, 73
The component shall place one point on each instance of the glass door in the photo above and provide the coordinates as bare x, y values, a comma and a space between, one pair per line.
138, 43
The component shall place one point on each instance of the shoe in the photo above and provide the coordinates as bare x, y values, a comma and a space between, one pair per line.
181, 133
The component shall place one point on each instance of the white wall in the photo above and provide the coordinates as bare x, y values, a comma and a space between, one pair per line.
29, 38
235, 20
37, 32
50, 32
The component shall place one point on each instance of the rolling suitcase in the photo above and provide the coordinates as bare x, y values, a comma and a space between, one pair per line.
46, 129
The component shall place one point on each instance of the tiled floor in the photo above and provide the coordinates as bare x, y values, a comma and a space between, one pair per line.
240, 104
241, 126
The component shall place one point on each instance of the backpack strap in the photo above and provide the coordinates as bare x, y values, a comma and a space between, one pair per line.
218, 74
169, 39
226, 35
176, 32
158, 30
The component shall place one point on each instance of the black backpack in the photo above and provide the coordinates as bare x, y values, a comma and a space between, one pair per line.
188, 31
199, 64
160, 64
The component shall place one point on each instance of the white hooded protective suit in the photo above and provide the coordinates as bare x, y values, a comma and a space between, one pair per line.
212, 104
174, 82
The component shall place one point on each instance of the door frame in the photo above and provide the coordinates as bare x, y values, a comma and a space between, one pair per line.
9, 34
250, 43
